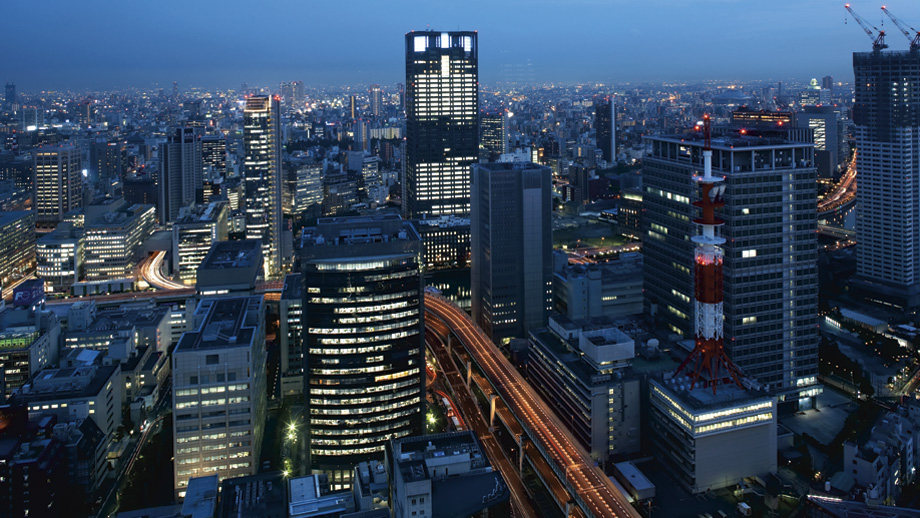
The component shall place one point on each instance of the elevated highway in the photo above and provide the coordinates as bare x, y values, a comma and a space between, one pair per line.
593, 494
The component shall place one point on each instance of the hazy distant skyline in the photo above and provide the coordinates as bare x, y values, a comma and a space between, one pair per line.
97, 44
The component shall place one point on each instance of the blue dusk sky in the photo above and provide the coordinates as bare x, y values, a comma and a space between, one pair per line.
96, 44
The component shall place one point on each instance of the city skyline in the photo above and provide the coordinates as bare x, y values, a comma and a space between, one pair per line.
213, 45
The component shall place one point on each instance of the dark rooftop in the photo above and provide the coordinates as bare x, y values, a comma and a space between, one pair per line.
263, 495
233, 254
230, 322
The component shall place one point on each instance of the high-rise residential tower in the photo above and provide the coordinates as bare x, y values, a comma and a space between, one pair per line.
262, 176
58, 183
442, 122
364, 355
770, 255
512, 248
180, 172
605, 126
888, 202
376, 101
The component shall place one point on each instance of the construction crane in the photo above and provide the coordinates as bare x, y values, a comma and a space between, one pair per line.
878, 42
905, 30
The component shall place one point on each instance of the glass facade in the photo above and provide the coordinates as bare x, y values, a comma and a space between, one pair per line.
442, 122
770, 272
363, 341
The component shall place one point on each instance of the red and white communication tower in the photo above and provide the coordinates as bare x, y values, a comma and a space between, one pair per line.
708, 357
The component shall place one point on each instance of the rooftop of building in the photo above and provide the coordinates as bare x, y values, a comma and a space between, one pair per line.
114, 213
225, 255
310, 496
413, 455
701, 397
567, 352
510, 166
200, 213
293, 287
7, 217
627, 266
358, 231
262, 495
81, 381
225, 322
732, 138
65, 231
200, 497
433, 457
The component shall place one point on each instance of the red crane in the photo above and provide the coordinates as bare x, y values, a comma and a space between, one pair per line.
905, 30
878, 42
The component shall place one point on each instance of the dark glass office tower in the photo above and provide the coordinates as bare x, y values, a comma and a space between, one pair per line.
605, 127
770, 268
363, 342
262, 174
512, 247
888, 147
493, 140
442, 123
180, 172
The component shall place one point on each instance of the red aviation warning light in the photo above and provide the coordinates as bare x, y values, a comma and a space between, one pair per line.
708, 356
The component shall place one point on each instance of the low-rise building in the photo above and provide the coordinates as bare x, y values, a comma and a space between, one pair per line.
889, 458
89, 388
30, 340
59, 255
443, 474
230, 267
263, 495
194, 231
17, 244
610, 289
711, 439
114, 233
582, 370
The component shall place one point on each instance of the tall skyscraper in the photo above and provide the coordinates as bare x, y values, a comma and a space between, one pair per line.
770, 256
262, 176
512, 248
827, 83
180, 172
442, 122
352, 107
605, 126
888, 201
364, 364
299, 97
376, 101
58, 183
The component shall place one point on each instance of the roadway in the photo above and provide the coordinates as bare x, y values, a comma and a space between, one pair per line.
151, 270
520, 502
593, 491
844, 192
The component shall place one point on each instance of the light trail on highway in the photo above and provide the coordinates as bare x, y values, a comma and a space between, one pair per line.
844, 192
591, 486
150, 271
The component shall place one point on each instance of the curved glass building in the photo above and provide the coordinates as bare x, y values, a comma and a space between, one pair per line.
363, 341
